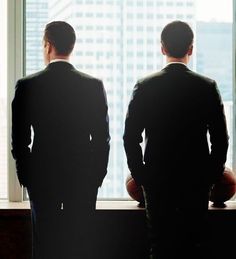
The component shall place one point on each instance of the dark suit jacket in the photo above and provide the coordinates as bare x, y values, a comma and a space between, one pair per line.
177, 108
67, 111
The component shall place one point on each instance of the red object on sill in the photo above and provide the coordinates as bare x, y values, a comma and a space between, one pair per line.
134, 190
224, 189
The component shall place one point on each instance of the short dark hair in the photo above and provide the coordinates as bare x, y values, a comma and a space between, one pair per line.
176, 38
61, 35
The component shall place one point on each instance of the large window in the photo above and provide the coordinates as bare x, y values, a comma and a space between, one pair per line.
3, 100
119, 42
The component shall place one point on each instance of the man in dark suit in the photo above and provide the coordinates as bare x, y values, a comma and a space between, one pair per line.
176, 108
62, 171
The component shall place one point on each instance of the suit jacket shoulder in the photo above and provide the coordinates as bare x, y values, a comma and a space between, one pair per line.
86, 76
35, 79
202, 78
149, 79
30, 78
164, 73
183, 76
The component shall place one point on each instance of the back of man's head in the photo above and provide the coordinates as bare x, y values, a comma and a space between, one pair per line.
177, 38
61, 35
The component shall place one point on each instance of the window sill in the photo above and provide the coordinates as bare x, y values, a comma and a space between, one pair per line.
104, 205
101, 205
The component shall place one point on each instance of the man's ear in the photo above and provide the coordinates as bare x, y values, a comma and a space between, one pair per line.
163, 50
190, 50
48, 47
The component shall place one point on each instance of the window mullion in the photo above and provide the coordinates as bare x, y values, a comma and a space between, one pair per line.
15, 16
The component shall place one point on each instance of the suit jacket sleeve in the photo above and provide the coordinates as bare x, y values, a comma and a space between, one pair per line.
21, 133
134, 126
218, 133
100, 137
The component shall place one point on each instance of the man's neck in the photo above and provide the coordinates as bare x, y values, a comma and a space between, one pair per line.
58, 57
184, 60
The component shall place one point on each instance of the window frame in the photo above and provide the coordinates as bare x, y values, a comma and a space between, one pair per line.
15, 37
16, 66
234, 84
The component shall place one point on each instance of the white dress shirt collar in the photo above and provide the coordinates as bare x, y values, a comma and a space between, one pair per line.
170, 63
59, 60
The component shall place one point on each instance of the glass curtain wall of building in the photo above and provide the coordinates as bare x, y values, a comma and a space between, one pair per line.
3, 99
119, 42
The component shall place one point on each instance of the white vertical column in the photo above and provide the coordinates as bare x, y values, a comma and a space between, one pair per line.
3, 97
234, 85
15, 12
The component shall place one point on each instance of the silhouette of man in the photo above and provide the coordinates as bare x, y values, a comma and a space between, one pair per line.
67, 111
176, 108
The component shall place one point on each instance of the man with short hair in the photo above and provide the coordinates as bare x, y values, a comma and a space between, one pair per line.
67, 163
176, 108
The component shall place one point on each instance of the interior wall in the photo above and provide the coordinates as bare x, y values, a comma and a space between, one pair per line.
122, 234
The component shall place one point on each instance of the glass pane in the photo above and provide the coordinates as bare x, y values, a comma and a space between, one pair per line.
3, 99
119, 42
214, 53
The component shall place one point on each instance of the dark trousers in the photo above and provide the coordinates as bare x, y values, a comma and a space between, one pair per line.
177, 225
64, 232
